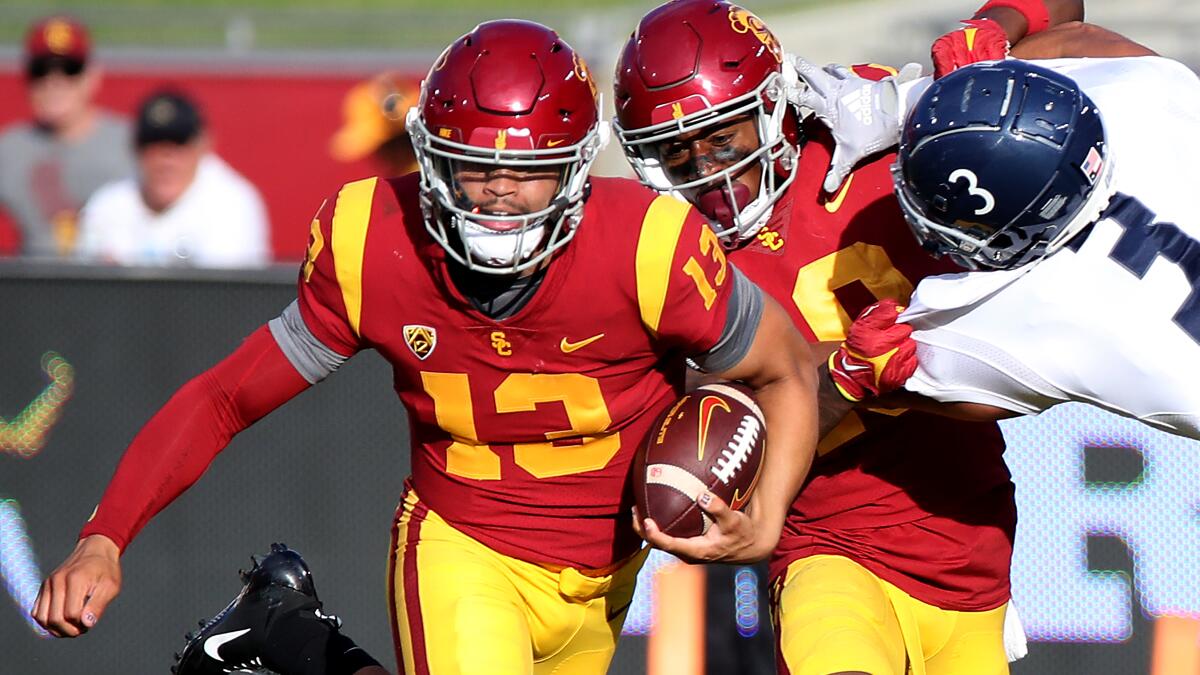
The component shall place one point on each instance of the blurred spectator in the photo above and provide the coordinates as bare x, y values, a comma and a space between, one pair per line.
50, 165
373, 113
186, 207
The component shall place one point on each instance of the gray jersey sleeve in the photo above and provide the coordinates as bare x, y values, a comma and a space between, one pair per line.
741, 325
312, 359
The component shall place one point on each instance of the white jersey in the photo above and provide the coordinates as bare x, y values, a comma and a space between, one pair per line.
1113, 321
218, 221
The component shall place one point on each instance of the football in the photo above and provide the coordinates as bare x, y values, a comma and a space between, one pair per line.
711, 439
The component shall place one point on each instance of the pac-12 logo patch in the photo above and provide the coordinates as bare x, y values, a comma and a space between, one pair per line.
420, 339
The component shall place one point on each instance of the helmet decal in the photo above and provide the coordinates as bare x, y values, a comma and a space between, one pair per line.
743, 21
581, 71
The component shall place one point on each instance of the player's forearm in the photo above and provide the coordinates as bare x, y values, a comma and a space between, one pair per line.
786, 389
1016, 25
1062, 11
791, 446
180, 441
972, 412
832, 406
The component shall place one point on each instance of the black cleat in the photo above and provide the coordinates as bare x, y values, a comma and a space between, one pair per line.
266, 624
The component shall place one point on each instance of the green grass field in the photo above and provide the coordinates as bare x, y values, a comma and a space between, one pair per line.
418, 25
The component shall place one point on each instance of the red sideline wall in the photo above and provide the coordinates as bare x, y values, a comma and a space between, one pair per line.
274, 128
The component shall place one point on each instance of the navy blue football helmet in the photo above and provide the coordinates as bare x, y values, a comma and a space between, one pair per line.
1001, 163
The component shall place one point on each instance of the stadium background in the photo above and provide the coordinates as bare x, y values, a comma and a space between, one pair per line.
1107, 569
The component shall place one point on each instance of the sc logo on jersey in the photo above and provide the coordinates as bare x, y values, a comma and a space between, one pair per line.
501, 343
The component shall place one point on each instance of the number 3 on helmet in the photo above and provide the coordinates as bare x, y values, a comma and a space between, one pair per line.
509, 94
1000, 164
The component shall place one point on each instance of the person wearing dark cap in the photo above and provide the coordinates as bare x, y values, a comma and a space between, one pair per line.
185, 207
51, 164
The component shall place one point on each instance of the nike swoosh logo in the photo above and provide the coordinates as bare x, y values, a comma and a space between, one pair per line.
214, 642
738, 500
554, 143
836, 203
708, 405
617, 611
851, 368
569, 347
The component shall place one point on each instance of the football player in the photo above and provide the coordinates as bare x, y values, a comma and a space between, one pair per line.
1074, 208
895, 555
536, 320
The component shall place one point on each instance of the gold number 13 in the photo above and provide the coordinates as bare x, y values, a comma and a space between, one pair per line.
580, 396
709, 246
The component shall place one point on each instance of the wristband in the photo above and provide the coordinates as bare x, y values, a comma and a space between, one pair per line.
1034, 11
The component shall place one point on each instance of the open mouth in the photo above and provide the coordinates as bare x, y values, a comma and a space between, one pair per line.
506, 219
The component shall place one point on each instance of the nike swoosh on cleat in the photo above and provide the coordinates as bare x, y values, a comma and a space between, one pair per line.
214, 642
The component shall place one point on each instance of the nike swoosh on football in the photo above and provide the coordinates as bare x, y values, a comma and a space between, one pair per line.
214, 643
738, 499
568, 346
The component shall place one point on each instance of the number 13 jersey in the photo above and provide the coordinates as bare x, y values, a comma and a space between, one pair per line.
1114, 318
523, 429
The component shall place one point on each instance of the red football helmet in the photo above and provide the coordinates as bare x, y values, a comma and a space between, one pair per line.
691, 64
508, 94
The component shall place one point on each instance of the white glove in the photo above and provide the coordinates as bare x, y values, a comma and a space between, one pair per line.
864, 115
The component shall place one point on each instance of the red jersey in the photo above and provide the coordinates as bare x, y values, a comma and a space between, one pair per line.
524, 429
924, 502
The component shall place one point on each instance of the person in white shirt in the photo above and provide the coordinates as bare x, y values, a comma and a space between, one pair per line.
1069, 201
186, 207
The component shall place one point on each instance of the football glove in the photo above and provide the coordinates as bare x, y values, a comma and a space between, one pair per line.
877, 357
977, 40
863, 115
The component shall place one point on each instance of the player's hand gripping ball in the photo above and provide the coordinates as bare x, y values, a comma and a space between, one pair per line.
711, 439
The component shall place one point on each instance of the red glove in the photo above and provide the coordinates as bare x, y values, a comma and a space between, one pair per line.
878, 356
977, 40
